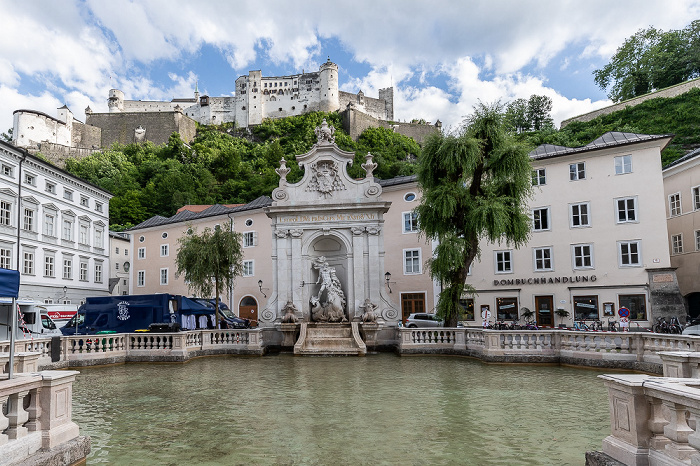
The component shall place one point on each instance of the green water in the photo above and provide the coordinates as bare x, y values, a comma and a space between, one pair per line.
380, 409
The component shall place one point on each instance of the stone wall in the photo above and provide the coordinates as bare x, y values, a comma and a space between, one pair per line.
665, 295
58, 154
158, 126
672, 91
356, 121
86, 136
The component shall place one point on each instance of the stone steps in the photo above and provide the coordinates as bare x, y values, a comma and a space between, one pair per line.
330, 339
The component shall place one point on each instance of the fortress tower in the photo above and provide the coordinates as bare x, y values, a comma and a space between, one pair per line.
329, 98
115, 101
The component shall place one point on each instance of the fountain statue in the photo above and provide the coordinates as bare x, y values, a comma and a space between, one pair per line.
329, 304
290, 311
370, 312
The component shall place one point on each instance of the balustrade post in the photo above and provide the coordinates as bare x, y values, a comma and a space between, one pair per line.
694, 438
656, 424
678, 431
56, 398
17, 415
4, 421
34, 411
638, 340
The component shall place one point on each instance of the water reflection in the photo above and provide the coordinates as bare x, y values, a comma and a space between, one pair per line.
381, 409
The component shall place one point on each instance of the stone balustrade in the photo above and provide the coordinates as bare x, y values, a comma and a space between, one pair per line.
35, 417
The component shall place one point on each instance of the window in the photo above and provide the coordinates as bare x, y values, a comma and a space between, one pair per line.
99, 233
636, 304
50, 188
697, 240
583, 256
67, 269
68, 194
579, 215
409, 197
142, 239
98, 206
28, 263
116, 266
586, 308
141, 253
629, 253
163, 250
677, 244
126, 266
539, 177
29, 179
83, 235
5, 213
577, 171
674, 204
248, 269
83, 271
467, 306
164, 276
507, 308
623, 164
249, 222
28, 220
67, 230
5, 258
410, 222
141, 278
49, 266
49, 221
126, 251
626, 209
84, 201
249, 238
6, 170
116, 250
164, 235
503, 262
98, 273
540, 219
411, 261
543, 259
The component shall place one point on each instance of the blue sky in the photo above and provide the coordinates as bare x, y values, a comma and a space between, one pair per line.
441, 58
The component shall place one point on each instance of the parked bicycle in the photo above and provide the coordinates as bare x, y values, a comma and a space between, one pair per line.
580, 325
613, 326
596, 326
675, 326
661, 326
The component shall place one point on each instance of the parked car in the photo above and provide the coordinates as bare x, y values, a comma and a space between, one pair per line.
230, 319
423, 319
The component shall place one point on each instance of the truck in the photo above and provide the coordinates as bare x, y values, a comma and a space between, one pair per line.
133, 313
60, 313
32, 320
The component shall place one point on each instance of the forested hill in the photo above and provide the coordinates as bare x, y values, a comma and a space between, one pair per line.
678, 115
149, 180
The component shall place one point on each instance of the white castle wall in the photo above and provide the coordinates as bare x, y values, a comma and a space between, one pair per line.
29, 128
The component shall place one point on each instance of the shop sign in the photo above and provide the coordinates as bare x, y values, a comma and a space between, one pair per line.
545, 280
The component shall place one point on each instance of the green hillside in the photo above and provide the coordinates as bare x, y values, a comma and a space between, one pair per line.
677, 115
220, 167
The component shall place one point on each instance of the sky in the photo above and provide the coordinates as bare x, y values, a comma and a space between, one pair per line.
442, 58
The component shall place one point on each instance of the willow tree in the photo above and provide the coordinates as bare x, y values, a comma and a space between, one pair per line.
210, 261
475, 185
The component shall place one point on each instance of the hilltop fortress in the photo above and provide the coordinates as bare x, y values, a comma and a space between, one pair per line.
256, 98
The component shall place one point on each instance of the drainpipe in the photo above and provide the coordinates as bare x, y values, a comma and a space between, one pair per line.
230, 289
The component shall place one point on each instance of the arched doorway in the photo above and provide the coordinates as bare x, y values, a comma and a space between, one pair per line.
248, 309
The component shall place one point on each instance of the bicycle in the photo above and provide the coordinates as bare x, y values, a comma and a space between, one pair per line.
661, 326
580, 325
613, 326
596, 326
675, 326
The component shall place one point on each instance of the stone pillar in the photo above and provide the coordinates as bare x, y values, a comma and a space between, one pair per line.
678, 431
4, 421
358, 271
57, 395
297, 289
17, 415
280, 259
34, 411
375, 269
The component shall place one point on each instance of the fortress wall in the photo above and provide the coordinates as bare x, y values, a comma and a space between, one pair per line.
152, 106
376, 108
356, 121
58, 153
30, 128
86, 135
120, 127
672, 91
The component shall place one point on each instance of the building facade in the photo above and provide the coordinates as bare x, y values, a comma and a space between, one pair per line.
53, 229
682, 195
120, 263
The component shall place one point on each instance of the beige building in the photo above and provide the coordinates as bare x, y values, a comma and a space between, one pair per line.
682, 195
598, 239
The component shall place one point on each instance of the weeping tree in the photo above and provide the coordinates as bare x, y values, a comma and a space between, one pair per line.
475, 185
210, 261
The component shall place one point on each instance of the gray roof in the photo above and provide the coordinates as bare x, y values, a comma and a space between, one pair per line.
217, 209
690, 155
609, 139
397, 180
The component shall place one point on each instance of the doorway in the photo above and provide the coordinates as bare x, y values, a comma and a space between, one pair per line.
248, 309
411, 303
545, 315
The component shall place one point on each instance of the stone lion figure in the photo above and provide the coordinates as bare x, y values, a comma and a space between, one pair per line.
289, 310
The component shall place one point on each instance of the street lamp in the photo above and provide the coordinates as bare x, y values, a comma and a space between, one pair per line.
387, 277
260, 286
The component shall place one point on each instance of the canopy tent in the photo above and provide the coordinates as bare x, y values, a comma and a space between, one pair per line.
9, 288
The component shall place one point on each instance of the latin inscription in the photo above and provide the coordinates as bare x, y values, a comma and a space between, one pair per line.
327, 218
662, 278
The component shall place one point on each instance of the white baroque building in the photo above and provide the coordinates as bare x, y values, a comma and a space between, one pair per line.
53, 229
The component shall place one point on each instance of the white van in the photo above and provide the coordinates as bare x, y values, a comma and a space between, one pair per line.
59, 313
32, 321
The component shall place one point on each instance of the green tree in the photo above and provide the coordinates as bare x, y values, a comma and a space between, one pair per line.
210, 261
475, 185
539, 108
7, 137
516, 116
629, 72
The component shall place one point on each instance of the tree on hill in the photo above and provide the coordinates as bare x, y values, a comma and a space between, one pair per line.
651, 59
533, 114
210, 261
475, 185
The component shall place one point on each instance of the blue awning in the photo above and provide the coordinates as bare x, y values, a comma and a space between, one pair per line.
9, 283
